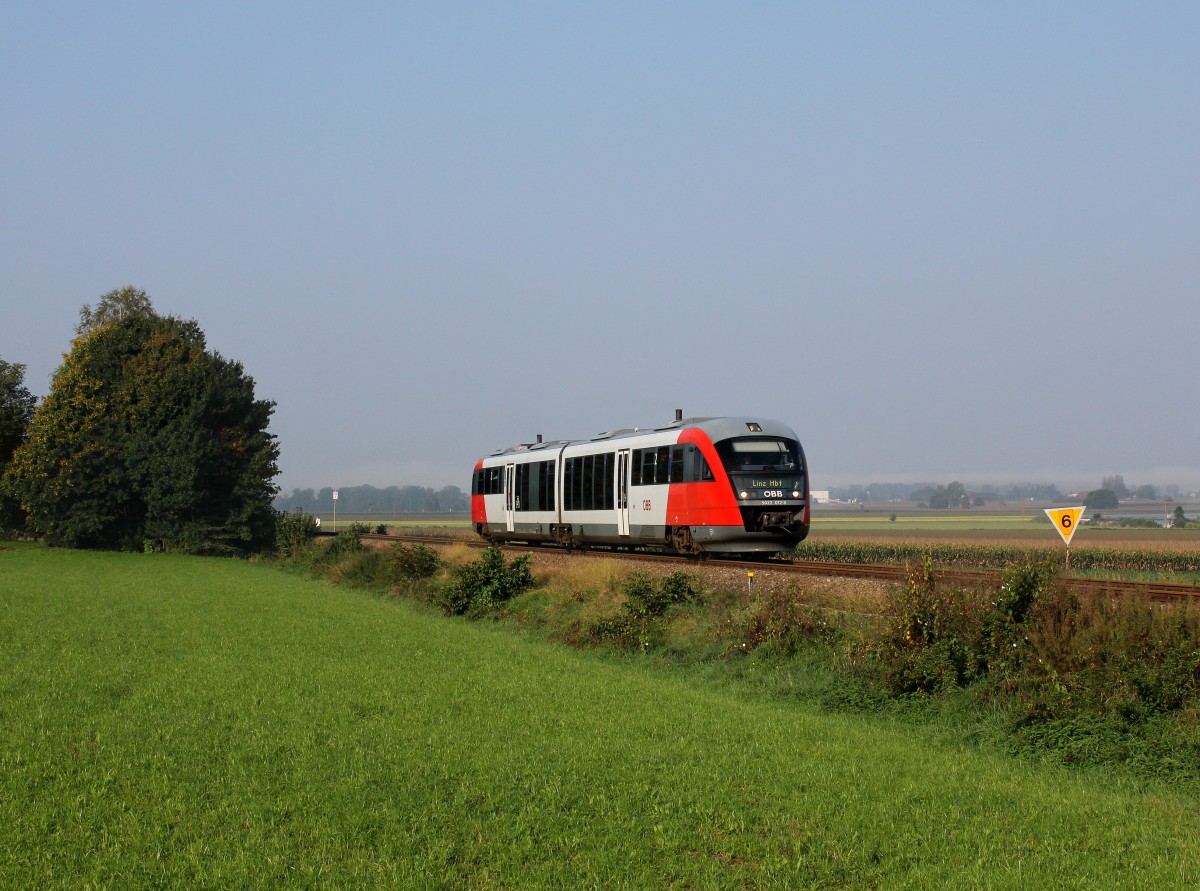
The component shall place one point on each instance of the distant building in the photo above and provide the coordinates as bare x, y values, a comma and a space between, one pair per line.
819, 496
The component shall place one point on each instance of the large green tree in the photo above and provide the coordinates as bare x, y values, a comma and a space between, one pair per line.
16, 412
953, 495
1101, 499
147, 437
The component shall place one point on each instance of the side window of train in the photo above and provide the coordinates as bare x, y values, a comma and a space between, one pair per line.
639, 472
545, 497
570, 478
577, 484
657, 466
646, 477
589, 475
698, 470
528, 491
676, 464
602, 482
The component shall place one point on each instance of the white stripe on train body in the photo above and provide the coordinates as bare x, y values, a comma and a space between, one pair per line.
723, 485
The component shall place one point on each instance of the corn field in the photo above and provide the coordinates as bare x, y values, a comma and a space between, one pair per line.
999, 556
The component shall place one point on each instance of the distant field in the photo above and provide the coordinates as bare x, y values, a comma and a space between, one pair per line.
447, 520
181, 722
986, 527
982, 522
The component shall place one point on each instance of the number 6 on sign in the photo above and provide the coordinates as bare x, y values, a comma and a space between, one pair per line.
1065, 520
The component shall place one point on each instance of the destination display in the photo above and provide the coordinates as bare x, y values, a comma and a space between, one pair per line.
771, 489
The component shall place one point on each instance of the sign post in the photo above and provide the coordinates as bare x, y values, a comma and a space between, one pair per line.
1066, 520
335, 510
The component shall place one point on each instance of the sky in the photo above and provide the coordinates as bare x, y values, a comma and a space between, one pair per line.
942, 241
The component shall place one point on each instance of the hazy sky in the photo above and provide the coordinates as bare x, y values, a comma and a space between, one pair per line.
941, 240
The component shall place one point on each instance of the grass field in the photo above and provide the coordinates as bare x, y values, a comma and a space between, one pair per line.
182, 722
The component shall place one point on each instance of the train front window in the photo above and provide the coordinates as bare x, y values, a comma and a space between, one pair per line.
759, 454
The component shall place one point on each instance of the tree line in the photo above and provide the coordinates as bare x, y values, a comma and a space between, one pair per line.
370, 500
954, 495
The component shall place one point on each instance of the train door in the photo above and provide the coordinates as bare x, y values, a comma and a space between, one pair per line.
623, 492
510, 489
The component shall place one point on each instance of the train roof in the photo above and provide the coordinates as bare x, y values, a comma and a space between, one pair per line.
715, 428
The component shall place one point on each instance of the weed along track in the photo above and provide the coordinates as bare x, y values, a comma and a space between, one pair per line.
1159, 592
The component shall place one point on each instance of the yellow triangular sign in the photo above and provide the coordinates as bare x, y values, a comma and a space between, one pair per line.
1065, 520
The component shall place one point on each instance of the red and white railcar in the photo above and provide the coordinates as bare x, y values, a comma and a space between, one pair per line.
700, 485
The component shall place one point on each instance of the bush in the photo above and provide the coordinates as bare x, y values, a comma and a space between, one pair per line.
645, 604
644, 599
363, 569
294, 533
1053, 655
341, 545
779, 618
933, 636
1003, 643
678, 587
1125, 659
413, 562
485, 583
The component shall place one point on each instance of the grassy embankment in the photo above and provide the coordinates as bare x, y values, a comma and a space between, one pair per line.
184, 722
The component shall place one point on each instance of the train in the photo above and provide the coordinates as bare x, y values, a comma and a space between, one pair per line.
697, 486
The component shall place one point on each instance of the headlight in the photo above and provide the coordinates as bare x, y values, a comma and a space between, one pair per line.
744, 494
795, 494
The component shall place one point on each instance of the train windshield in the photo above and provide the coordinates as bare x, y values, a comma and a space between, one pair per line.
760, 454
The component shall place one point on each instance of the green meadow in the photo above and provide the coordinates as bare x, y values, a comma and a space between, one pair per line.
169, 721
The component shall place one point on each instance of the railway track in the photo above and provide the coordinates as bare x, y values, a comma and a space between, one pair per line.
1160, 592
